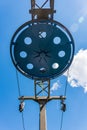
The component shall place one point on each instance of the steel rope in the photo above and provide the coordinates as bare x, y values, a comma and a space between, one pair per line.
19, 92
65, 92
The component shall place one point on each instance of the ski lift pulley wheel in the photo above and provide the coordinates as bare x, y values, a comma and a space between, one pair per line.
42, 49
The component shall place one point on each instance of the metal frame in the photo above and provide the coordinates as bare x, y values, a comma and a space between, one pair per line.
42, 101
38, 12
45, 14
44, 86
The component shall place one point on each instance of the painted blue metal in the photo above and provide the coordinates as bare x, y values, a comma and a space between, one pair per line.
42, 49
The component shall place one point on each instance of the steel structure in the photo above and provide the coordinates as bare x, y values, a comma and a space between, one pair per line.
42, 49
42, 12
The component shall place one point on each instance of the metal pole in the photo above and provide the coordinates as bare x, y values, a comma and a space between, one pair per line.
42, 103
42, 117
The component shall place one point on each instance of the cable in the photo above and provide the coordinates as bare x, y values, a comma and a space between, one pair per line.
66, 84
23, 121
19, 92
65, 91
61, 123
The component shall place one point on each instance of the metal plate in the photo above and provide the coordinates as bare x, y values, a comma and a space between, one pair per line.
42, 49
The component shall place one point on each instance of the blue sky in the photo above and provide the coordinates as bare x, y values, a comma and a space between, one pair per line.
72, 14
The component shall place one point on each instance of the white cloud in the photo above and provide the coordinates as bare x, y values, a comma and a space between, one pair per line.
55, 86
78, 70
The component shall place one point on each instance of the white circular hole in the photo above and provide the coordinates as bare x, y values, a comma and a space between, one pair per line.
55, 65
27, 40
30, 66
61, 53
23, 54
57, 40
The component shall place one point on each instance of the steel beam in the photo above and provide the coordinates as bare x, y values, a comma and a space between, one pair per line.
38, 12
37, 99
42, 103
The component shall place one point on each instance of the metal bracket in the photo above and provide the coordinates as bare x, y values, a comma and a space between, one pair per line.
38, 12
42, 98
42, 87
42, 104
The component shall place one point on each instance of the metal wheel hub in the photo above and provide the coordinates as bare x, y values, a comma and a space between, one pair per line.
42, 49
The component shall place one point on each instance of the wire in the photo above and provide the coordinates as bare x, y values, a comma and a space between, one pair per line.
23, 121
19, 92
61, 123
65, 92
66, 84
